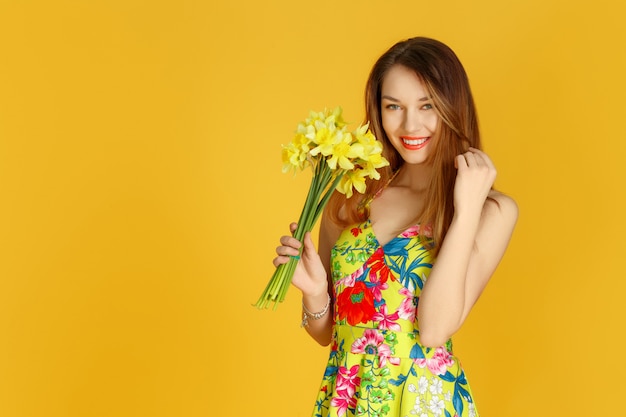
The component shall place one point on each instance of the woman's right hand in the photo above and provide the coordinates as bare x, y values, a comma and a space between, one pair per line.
310, 275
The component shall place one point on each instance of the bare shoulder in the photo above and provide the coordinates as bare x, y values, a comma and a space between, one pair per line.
501, 208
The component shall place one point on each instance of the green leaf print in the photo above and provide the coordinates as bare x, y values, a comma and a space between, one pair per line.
391, 338
368, 379
389, 396
351, 258
376, 396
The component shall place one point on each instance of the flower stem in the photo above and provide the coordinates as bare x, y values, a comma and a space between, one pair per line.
277, 287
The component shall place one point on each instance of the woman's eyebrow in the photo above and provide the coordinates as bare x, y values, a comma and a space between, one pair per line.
396, 100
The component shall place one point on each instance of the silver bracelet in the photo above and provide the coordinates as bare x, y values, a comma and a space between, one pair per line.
306, 314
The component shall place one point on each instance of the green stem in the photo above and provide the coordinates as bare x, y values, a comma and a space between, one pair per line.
329, 192
277, 287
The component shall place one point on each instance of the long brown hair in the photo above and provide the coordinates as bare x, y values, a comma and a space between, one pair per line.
445, 79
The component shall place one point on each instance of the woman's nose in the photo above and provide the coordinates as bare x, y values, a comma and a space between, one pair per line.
412, 122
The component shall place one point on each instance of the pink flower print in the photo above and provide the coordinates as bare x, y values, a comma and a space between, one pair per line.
347, 381
342, 403
368, 343
350, 280
372, 344
384, 355
411, 231
407, 308
415, 230
439, 363
378, 286
386, 321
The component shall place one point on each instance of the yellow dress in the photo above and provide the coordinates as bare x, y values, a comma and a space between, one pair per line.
377, 366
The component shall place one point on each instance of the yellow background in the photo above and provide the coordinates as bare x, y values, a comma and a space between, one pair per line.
142, 198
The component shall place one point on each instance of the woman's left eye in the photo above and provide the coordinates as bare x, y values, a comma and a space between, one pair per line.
427, 106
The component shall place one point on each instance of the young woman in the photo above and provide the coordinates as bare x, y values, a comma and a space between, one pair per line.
400, 267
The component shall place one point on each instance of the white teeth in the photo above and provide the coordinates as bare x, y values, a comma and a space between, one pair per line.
414, 142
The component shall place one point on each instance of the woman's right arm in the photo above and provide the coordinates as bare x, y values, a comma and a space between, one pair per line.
313, 275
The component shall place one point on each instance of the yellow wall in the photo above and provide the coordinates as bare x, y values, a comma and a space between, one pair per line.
142, 198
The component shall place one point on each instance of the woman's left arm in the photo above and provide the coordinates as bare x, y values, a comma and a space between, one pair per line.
474, 245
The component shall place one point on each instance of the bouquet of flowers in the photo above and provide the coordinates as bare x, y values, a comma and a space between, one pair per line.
340, 160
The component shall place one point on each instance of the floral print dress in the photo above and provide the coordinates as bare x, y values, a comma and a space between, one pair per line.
377, 366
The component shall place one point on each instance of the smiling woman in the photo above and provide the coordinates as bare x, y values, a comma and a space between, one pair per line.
408, 115
142, 193
401, 292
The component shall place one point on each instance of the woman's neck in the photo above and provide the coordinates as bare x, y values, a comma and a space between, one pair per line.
415, 177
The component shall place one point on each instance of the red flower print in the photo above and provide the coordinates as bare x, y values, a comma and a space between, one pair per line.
378, 267
355, 231
356, 304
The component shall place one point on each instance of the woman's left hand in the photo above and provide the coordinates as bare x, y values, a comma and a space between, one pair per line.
474, 179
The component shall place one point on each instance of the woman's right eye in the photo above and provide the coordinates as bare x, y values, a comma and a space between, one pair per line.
393, 107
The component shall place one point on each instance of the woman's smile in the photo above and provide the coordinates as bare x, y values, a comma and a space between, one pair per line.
414, 143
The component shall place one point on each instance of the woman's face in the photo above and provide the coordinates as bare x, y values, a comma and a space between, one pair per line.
408, 116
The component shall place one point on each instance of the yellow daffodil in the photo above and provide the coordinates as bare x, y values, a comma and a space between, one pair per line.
354, 179
372, 163
296, 153
341, 161
326, 138
368, 141
327, 117
303, 135
291, 158
344, 152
